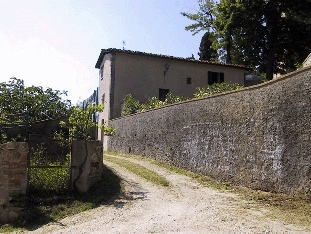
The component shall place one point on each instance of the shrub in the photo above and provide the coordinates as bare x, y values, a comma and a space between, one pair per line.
131, 105
170, 98
46, 180
215, 89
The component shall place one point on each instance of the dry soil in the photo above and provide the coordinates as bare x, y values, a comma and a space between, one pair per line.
186, 206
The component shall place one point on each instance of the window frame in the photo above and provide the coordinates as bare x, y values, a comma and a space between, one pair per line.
215, 77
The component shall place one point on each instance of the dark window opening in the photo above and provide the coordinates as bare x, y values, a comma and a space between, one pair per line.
215, 77
103, 98
162, 94
188, 80
101, 72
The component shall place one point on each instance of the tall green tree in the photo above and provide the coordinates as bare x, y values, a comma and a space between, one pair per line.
204, 17
20, 104
268, 35
207, 51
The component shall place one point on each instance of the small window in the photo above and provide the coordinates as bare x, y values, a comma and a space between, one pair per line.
162, 94
101, 73
103, 98
188, 80
215, 77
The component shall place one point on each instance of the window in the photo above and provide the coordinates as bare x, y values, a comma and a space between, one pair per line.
215, 77
162, 94
101, 73
188, 80
103, 98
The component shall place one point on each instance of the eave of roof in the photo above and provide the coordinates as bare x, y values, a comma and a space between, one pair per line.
110, 50
307, 58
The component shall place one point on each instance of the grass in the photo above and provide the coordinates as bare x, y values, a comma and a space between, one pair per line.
292, 209
40, 210
207, 181
139, 170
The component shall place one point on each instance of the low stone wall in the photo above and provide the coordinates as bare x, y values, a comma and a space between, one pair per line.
13, 177
258, 137
92, 164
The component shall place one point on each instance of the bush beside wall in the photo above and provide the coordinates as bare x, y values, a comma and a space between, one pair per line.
258, 137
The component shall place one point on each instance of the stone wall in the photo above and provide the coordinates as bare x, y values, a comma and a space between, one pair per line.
92, 165
258, 137
13, 177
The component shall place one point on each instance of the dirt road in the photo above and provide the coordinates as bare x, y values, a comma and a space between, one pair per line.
184, 207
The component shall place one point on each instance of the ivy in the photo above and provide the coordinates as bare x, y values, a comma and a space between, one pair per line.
215, 89
132, 106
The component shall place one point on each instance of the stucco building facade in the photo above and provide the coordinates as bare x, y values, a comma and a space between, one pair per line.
307, 61
144, 75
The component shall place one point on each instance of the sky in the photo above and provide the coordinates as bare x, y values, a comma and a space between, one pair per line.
56, 43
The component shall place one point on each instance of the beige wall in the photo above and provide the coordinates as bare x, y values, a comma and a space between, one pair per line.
142, 76
307, 61
104, 88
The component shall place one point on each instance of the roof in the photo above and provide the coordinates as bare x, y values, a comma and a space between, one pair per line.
307, 61
110, 50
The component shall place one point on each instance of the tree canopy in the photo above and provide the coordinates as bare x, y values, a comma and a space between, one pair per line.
270, 36
207, 52
20, 104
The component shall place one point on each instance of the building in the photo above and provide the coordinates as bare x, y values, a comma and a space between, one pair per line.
144, 75
307, 61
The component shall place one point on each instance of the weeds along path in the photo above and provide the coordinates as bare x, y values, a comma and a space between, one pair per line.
178, 205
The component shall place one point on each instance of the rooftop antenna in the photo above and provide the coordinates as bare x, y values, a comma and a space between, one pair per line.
123, 42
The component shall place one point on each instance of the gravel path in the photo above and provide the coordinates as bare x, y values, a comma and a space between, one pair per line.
184, 207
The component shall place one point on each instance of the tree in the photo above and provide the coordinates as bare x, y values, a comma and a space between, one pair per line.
207, 52
204, 17
20, 104
80, 127
266, 35
81, 124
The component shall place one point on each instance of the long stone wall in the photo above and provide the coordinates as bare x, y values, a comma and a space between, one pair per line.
13, 177
258, 137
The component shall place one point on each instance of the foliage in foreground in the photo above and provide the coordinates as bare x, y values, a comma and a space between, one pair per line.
20, 104
39, 211
47, 181
132, 106
81, 123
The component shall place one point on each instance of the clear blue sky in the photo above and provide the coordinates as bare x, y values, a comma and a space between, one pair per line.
56, 43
